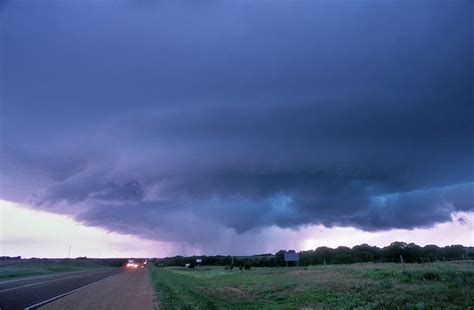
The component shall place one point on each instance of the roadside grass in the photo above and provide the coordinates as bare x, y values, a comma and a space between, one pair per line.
357, 286
27, 268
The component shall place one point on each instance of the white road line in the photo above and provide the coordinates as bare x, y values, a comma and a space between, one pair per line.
41, 303
37, 283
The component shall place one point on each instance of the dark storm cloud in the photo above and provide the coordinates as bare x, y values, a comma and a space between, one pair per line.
188, 120
417, 209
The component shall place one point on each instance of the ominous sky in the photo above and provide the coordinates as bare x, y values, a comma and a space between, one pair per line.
187, 121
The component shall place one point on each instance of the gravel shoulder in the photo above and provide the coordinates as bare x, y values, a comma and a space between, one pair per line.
128, 290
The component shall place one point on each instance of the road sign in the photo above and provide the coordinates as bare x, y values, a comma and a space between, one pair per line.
292, 257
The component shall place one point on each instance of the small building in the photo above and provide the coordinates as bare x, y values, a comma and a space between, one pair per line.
292, 257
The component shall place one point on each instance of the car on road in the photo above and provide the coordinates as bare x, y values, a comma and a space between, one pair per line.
132, 264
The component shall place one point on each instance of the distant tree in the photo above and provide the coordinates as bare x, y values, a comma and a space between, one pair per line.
365, 253
343, 255
280, 258
411, 253
454, 252
324, 255
392, 252
431, 252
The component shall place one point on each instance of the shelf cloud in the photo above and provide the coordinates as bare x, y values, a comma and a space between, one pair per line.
175, 121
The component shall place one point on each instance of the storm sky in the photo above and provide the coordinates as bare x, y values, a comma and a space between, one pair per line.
190, 121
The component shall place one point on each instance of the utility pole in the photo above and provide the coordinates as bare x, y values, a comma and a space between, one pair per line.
69, 253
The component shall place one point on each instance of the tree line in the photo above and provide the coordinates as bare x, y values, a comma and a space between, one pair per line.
394, 253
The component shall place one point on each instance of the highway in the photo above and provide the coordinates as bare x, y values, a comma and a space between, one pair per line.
24, 293
128, 290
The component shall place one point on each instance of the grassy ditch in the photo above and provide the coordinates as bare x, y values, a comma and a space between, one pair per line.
357, 286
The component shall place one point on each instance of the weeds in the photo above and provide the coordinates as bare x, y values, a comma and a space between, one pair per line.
374, 286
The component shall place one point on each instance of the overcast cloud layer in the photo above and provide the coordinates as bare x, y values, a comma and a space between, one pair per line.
176, 120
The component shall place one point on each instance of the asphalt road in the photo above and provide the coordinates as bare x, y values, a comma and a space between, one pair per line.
129, 290
23, 293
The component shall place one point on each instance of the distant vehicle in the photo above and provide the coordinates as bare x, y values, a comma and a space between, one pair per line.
132, 264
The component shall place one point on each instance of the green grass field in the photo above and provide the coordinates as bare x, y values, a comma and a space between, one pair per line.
24, 268
357, 286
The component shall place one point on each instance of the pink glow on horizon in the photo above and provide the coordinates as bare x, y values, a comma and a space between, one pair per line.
32, 233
